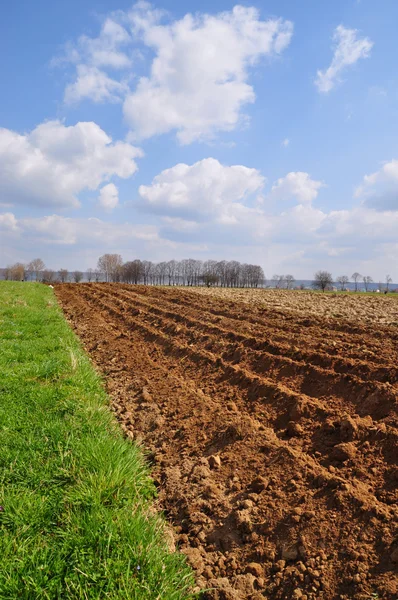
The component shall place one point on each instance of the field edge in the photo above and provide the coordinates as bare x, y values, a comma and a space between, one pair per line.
76, 512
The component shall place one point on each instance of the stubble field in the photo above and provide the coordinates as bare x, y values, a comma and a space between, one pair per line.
271, 425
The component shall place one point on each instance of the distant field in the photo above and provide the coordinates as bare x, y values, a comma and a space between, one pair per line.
76, 502
271, 418
366, 307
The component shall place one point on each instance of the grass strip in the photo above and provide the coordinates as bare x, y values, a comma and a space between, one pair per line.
75, 496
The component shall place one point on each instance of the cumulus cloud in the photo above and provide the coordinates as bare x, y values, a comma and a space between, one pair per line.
198, 81
94, 84
349, 48
206, 190
53, 163
8, 222
108, 197
92, 57
380, 189
297, 185
106, 49
67, 231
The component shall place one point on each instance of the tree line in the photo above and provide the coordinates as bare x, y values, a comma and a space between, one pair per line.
36, 270
323, 280
111, 268
189, 272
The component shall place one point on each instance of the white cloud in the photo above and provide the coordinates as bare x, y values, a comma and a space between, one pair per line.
198, 81
380, 189
285, 143
298, 185
349, 48
108, 49
105, 50
8, 222
92, 57
206, 190
56, 229
53, 163
108, 197
59, 230
94, 84
360, 224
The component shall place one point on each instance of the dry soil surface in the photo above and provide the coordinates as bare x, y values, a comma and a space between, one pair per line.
271, 426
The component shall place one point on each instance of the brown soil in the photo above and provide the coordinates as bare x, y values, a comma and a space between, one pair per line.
272, 434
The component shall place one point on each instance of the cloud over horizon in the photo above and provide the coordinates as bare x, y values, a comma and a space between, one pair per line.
53, 164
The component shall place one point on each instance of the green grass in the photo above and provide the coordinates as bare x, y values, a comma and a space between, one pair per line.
76, 518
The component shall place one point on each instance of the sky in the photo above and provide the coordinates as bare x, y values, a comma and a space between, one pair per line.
264, 132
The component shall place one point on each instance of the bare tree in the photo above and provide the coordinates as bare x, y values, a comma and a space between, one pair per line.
162, 269
132, 271
275, 280
289, 281
343, 280
17, 272
36, 267
90, 274
189, 272
63, 275
367, 280
356, 277
147, 267
210, 275
77, 276
279, 281
48, 276
110, 265
97, 275
322, 280
171, 267
388, 281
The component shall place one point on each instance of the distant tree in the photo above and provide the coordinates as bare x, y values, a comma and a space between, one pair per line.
162, 269
132, 271
211, 276
48, 276
356, 277
77, 276
388, 281
289, 281
322, 280
110, 265
171, 268
343, 280
17, 272
63, 275
90, 273
97, 275
367, 280
278, 281
36, 267
147, 267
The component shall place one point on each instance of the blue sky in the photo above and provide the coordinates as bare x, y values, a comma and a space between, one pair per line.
262, 132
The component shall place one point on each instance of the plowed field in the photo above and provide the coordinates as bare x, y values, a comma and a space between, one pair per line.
272, 432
